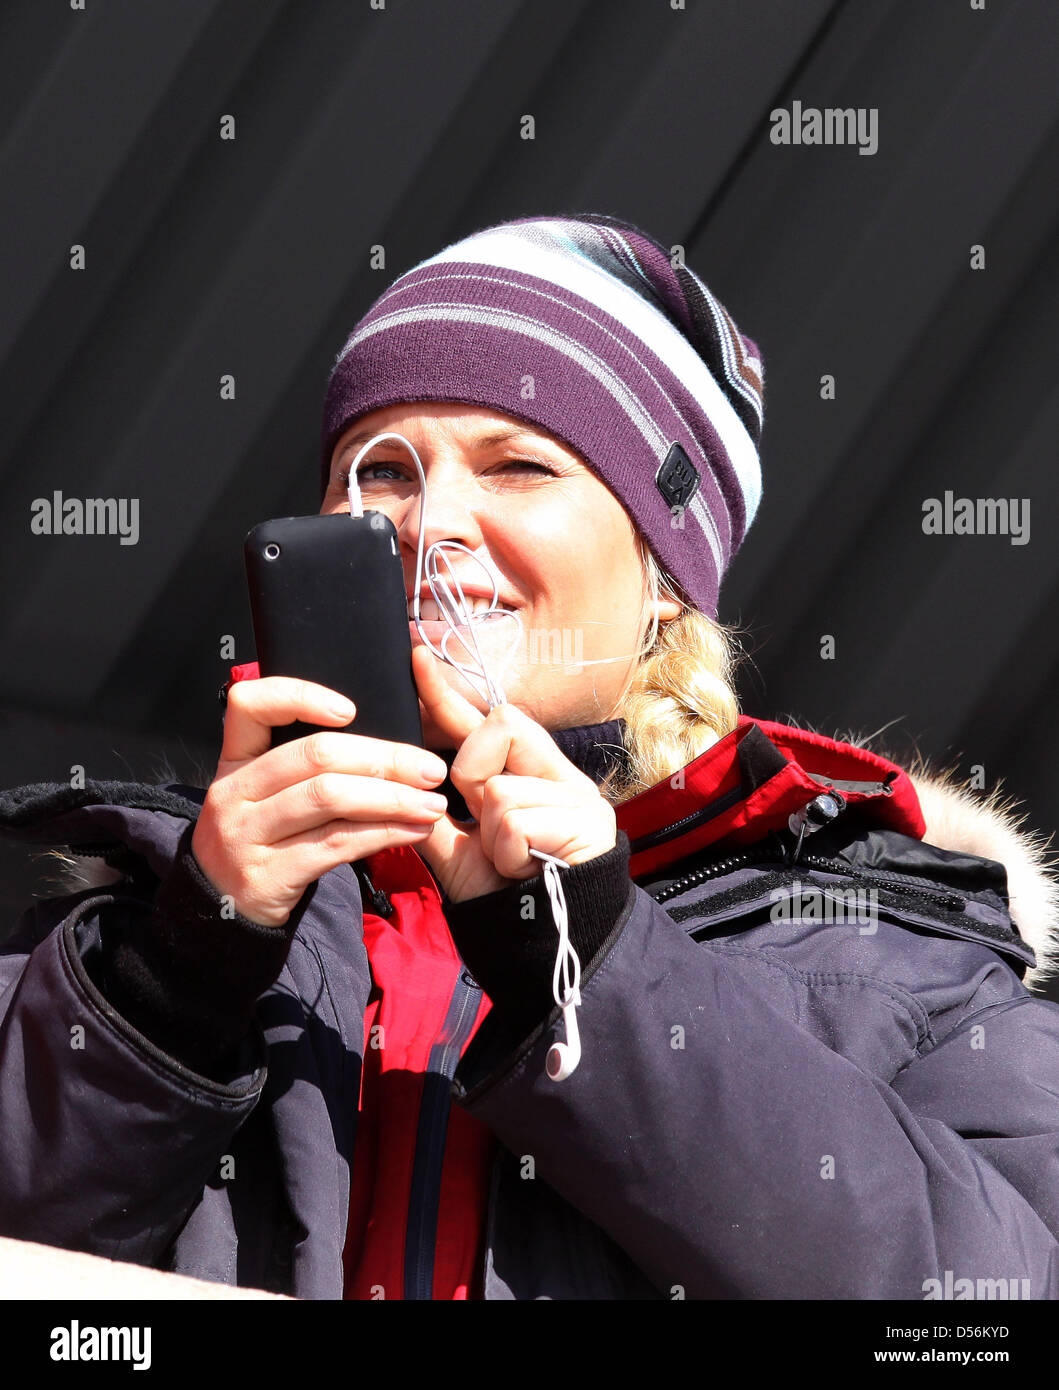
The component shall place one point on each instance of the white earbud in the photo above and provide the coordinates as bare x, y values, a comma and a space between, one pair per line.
563, 1057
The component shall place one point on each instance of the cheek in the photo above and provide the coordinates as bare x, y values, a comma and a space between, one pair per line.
553, 553
577, 524
336, 498
585, 560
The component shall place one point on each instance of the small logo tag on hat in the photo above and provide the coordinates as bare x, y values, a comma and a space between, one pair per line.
677, 478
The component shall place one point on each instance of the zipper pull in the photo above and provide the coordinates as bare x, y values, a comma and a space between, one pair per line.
380, 903
813, 816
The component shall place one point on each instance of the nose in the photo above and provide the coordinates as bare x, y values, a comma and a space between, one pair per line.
451, 515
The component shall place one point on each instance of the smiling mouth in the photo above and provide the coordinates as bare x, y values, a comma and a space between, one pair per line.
462, 638
430, 611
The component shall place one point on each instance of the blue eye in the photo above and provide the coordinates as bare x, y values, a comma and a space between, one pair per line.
365, 468
342, 476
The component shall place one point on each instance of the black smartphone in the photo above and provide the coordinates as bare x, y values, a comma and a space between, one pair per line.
328, 604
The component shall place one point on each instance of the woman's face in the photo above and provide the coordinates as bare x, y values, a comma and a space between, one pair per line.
560, 546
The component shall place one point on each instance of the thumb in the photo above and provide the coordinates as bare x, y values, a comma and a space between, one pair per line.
444, 849
452, 712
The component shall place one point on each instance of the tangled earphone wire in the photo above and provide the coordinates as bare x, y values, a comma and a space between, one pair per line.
563, 1057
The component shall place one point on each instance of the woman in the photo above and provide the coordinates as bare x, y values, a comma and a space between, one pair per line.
315, 1011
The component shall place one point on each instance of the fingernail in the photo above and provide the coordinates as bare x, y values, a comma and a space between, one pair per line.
434, 771
435, 802
344, 709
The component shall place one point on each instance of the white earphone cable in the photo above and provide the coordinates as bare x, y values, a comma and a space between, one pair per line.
562, 1058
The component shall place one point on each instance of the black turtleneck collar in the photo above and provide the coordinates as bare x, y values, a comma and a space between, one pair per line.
594, 748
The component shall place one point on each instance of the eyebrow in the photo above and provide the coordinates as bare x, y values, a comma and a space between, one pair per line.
481, 441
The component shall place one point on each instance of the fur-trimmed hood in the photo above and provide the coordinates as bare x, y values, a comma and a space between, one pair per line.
992, 827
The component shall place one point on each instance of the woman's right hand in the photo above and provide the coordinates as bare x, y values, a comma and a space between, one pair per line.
275, 819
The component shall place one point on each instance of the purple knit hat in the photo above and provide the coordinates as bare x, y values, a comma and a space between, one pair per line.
581, 326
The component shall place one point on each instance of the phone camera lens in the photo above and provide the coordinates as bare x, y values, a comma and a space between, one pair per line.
271, 551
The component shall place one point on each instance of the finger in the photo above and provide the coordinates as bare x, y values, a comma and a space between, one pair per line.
256, 707
336, 752
447, 844
452, 712
309, 855
509, 740
334, 796
505, 793
456, 858
541, 828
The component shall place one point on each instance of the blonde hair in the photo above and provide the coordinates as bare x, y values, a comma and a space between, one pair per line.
679, 700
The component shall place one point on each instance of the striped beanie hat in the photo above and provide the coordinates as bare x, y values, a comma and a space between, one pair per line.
581, 325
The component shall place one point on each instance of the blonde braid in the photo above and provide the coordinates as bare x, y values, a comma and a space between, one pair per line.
679, 700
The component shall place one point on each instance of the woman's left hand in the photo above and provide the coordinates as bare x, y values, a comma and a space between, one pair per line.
519, 787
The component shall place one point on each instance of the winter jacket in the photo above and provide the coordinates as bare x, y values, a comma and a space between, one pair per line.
811, 1067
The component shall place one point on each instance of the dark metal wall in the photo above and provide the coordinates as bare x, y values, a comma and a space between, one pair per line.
400, 126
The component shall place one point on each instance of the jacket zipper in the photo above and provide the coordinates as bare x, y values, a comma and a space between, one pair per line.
819, 861
715, 870
836, 866
690, 822
431, 1132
